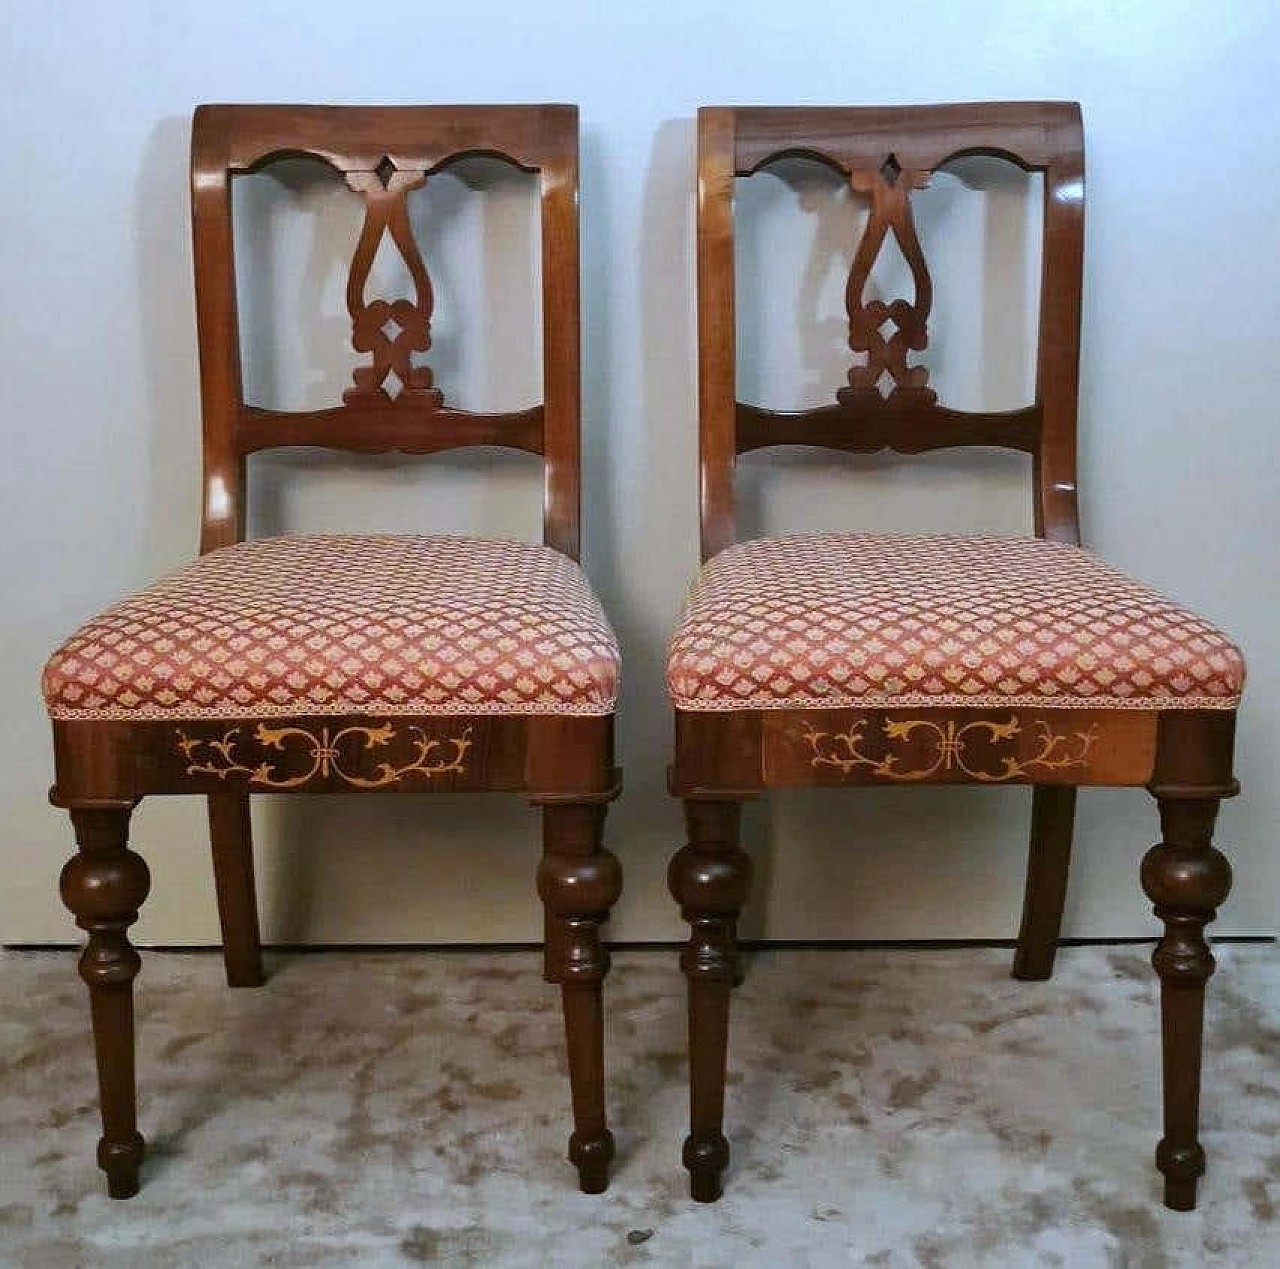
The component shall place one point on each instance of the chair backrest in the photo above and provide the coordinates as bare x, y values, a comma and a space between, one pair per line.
383, 153
886, 153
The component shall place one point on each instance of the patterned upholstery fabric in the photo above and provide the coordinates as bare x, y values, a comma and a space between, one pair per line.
341, 625
872, 620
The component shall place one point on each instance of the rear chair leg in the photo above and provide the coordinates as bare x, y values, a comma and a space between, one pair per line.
579, 882
104, 886
709, 879
231, 837
1053, 810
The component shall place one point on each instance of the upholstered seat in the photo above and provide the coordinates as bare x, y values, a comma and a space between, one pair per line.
874, 620
346, 624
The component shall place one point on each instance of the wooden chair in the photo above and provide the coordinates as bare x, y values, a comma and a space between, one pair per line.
337, 664
861, 659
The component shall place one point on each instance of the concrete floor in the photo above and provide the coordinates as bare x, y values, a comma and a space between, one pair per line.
887, 1108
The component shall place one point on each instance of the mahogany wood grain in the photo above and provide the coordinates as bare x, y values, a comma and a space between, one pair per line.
752, 750
1053, 810
379, 429
231, 844
709, 879
1186, 878
579, 882
384, 153
104, 886
723, 757
565, 765
885, 152
717, 329
909, 427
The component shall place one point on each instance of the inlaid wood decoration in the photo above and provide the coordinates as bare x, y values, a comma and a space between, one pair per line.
950, 749
265, 758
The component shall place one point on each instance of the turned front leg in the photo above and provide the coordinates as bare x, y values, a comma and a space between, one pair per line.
579, 882
1186, 878
709, 879
104, 885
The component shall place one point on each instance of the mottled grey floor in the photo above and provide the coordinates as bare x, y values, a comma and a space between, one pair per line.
889, 1108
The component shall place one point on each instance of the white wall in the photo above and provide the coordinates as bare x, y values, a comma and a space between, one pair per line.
1179, 448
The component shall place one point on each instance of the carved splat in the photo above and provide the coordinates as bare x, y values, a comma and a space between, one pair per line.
886, 333
392, 331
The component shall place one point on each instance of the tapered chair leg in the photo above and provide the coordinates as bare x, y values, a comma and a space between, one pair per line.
579, 882
1186, 878
231, 838
1053, 811
709, 878
104, 885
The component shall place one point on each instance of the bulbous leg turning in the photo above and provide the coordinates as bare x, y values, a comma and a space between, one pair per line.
579, 882
1186, 879
104, 885
709, 879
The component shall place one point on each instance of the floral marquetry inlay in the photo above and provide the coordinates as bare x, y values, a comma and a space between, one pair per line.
311, 753
949, 749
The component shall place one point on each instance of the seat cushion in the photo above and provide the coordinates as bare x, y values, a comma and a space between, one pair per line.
881, 621
341, 625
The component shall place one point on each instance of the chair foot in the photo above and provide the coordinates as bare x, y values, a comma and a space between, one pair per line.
592, 1159
121, 1161
1182, 1171
706, 1157
248, 978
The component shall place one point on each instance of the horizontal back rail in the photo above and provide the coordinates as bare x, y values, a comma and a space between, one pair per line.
910, 430
377, 429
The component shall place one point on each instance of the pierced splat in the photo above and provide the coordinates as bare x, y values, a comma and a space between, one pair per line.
886, 333
392, 331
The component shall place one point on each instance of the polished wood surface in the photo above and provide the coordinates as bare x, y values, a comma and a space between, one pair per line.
724, 757
105, 885
1187, 879
563, 764
231, 848
709, 879
1053, 813
884, 154
864, 423
384, 153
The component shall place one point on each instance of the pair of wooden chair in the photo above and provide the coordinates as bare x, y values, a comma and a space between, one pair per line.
340, 664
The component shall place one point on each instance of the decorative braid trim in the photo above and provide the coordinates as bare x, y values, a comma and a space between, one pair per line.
917, 700
362, 709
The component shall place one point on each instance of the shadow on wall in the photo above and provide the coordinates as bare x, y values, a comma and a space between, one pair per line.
162, 238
